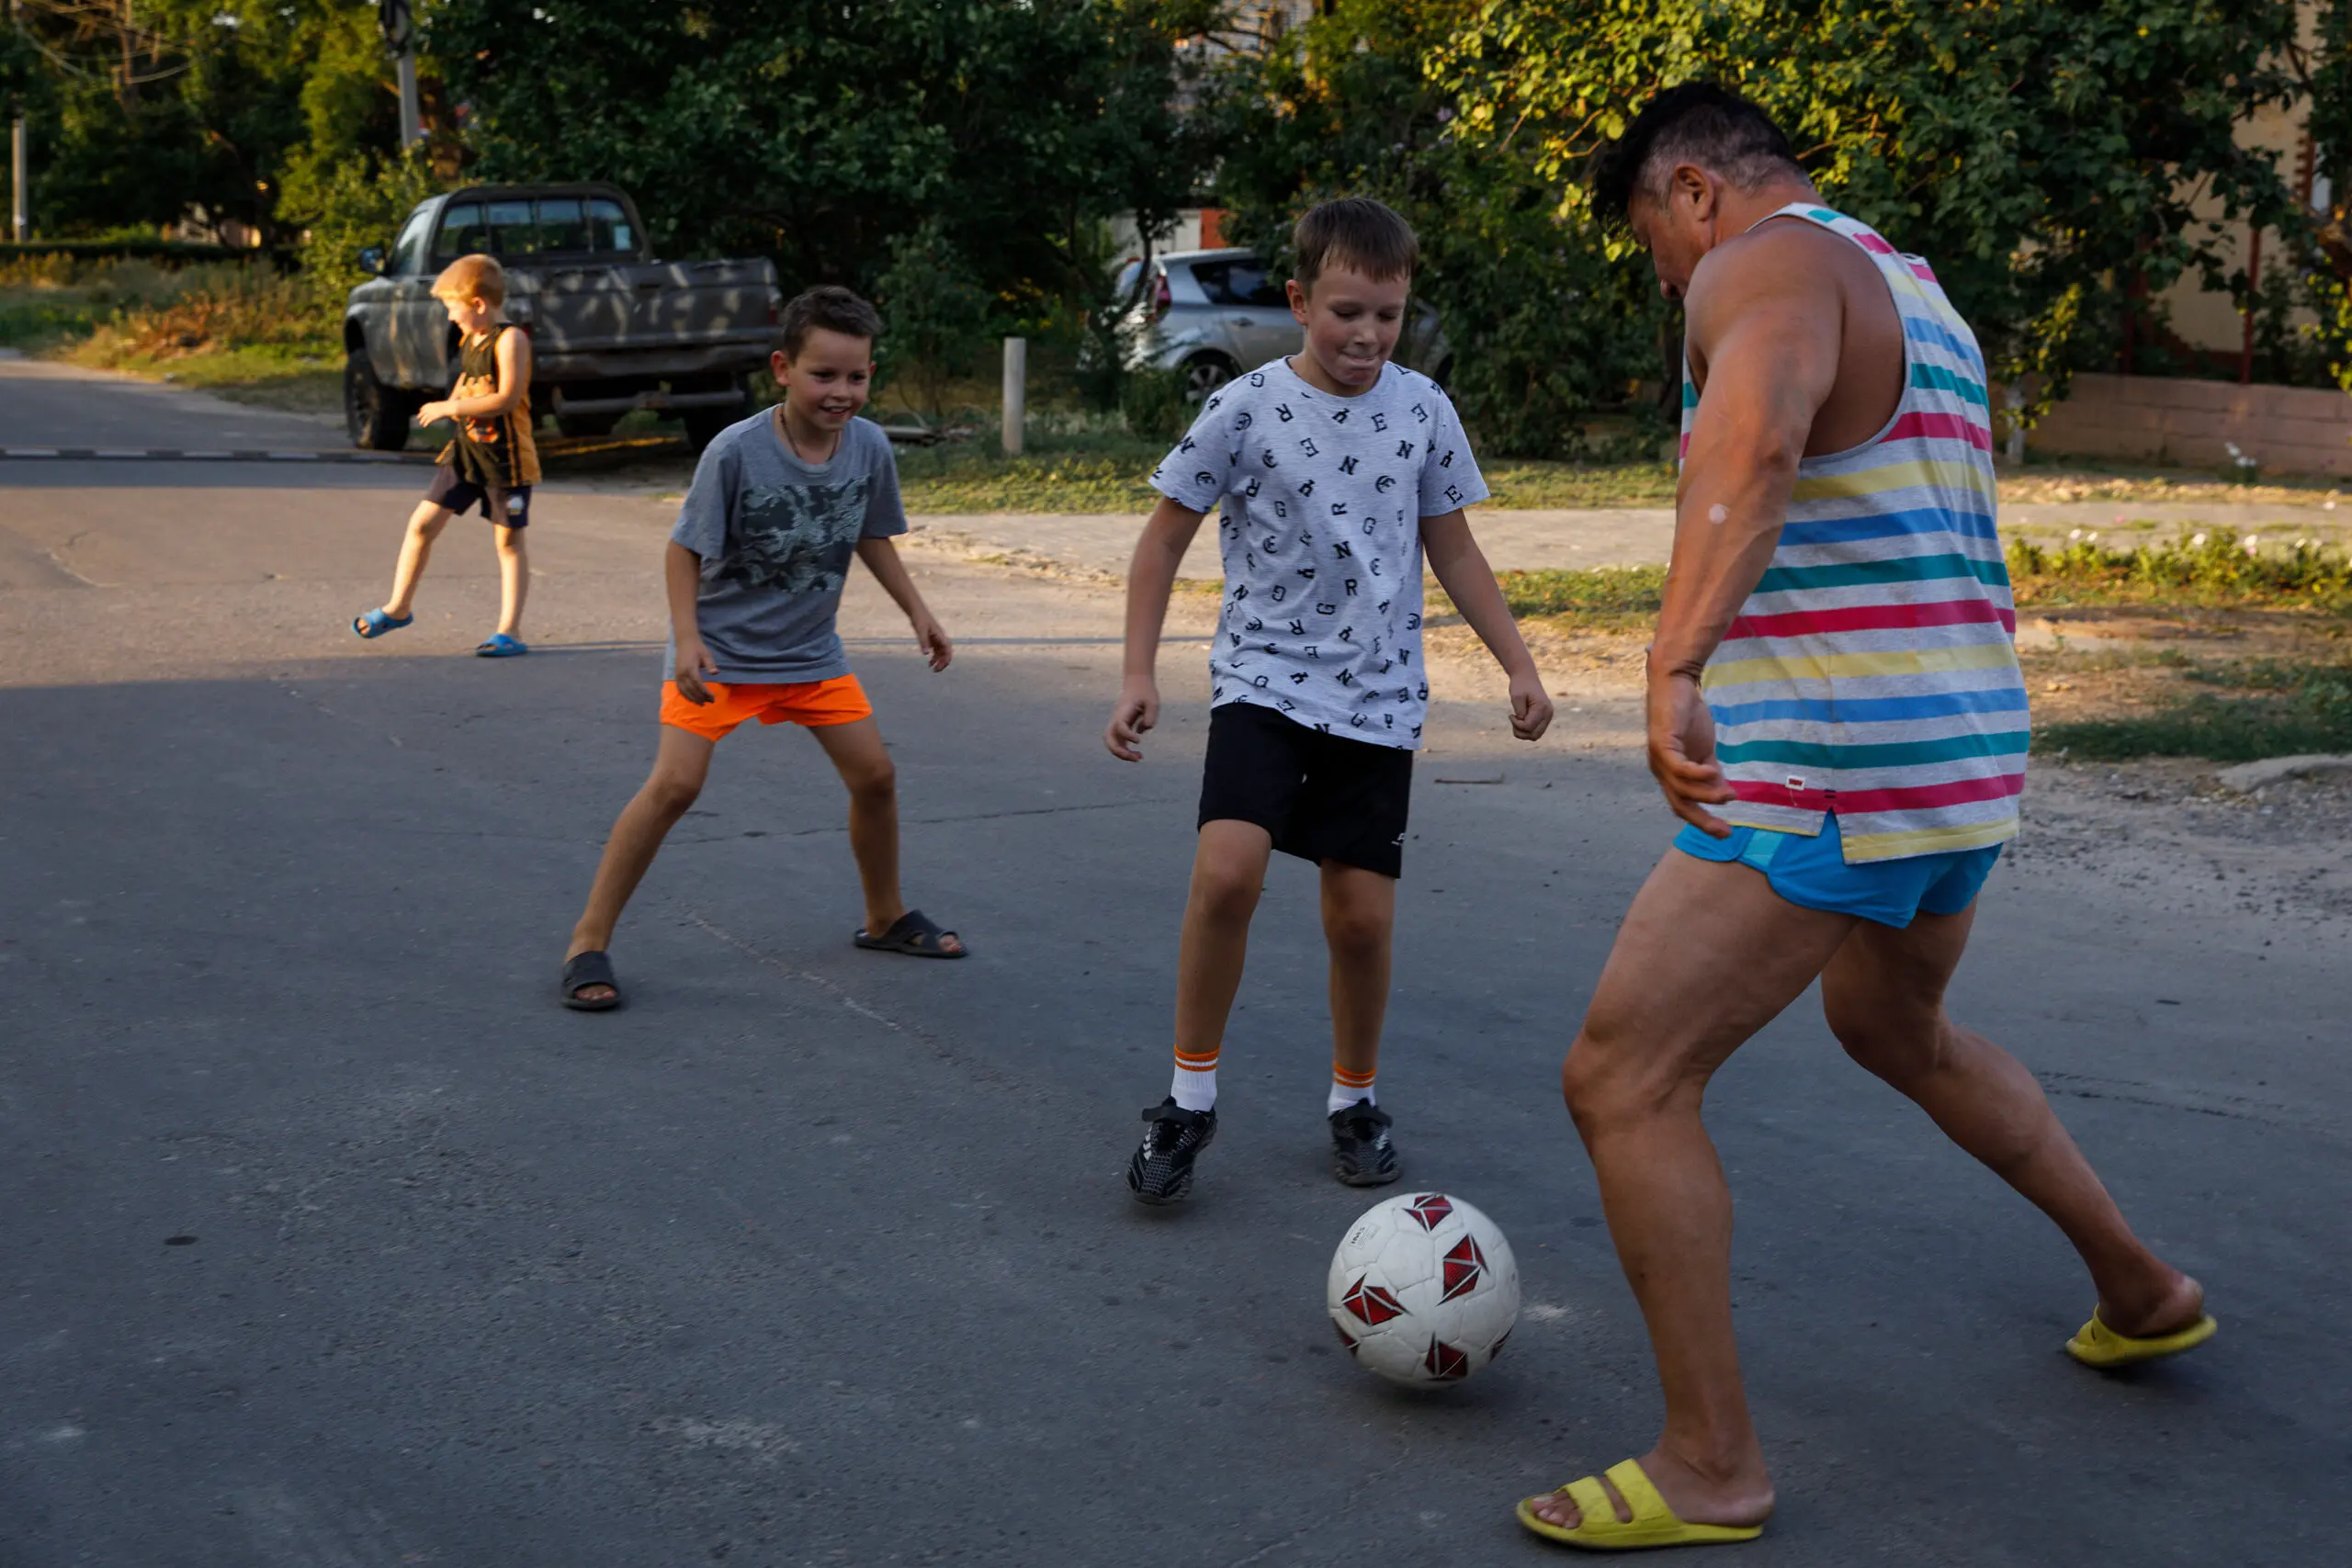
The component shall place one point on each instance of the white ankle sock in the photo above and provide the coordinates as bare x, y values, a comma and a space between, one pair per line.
1195, 1088
1347, 1088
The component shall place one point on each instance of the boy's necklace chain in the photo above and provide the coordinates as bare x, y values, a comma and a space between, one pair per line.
784, 428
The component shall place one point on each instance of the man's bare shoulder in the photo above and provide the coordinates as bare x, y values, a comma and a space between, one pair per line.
1778, 257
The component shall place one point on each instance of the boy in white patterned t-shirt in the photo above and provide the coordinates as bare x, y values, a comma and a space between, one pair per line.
1335, 473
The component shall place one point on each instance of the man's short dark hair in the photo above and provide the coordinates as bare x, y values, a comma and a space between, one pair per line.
828, 306
1357, 232
1698, 123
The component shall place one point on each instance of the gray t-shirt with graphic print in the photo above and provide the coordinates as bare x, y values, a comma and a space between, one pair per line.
776, 535
1321, 500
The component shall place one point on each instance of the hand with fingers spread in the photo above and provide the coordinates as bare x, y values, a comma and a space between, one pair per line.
1138, 711
1683, 753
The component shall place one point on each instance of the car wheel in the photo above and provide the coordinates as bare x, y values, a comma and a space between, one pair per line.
1205, 373
376, 416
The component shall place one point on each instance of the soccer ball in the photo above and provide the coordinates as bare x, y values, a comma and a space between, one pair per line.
1424, 1290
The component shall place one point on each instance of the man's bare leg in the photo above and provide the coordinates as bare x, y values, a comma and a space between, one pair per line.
1228, 873
863, 763
1359, 922
1883, 995
680, 765
1708, 955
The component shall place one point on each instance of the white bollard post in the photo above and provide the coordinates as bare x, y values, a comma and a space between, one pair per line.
2014, 400
1016, 392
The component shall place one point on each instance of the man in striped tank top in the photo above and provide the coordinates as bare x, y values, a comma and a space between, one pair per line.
1835, 713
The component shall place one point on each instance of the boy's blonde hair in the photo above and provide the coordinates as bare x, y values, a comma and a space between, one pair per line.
472, 277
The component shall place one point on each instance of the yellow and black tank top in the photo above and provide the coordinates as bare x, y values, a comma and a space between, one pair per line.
496, 452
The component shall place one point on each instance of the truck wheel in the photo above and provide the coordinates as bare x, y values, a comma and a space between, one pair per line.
378, 416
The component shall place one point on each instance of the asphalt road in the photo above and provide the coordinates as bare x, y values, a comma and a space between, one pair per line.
332, 1240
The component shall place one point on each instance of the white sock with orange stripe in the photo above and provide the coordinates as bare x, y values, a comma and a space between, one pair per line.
1195, 1085
1348, 1087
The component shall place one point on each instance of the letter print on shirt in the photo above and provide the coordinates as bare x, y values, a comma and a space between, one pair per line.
1321, 500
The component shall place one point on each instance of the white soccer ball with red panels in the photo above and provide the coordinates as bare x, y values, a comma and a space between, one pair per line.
1424, 1290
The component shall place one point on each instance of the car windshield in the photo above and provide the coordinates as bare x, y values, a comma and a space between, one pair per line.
1241, 280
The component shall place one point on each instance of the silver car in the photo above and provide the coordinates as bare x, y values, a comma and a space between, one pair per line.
1212, 314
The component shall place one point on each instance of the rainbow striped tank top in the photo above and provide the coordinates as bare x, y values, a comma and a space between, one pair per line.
1873, 673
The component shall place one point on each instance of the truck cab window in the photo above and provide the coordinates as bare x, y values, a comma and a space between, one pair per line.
513, 230
462, 234
609, 227
563, 225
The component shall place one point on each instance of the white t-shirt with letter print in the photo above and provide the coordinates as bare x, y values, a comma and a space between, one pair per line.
1320, 500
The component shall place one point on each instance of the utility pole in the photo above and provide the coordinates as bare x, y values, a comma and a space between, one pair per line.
399, 31
19, 161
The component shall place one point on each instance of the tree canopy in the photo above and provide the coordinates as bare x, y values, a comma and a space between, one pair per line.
2059, 160
2046, 157
820, 132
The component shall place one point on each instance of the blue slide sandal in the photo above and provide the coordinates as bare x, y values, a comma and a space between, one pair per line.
498, 645
375, 623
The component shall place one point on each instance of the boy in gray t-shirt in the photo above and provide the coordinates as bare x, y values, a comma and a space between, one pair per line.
755, 566
1335, 473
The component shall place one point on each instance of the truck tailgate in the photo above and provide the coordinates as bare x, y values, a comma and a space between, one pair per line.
708, 301
595, 309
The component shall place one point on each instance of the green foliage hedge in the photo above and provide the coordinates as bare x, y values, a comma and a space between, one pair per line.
182, 250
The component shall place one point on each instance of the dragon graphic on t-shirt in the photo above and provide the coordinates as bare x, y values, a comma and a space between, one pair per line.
798, 538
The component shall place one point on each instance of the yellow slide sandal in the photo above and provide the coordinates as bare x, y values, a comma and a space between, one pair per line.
1653, 1523
2096, 1345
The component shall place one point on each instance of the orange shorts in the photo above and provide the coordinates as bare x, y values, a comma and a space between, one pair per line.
811, 702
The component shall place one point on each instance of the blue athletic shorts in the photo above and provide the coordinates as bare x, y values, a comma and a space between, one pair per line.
1812, 872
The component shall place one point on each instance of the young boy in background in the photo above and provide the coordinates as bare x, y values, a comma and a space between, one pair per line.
491, 462
1336, 472
756, 568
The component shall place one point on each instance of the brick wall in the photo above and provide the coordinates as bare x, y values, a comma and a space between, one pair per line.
2161, 419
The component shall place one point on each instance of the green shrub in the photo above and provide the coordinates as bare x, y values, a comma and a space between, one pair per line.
935, 317
1156, 406
142, 249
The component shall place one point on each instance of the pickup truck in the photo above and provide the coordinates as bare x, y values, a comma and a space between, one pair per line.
612, 328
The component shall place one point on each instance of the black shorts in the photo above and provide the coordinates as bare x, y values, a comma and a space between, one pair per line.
1322, 797
460, 495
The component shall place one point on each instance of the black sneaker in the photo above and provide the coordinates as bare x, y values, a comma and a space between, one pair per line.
1362, 1155
1161, 1171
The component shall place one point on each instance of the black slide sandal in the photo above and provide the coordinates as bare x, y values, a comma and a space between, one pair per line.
915, 934
590, 968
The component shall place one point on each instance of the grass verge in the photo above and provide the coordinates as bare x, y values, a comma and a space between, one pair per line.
242, 330
2218, 569
1096, 465
2263, 708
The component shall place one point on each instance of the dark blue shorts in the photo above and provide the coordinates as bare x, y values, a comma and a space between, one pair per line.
1812, 872
461, 495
